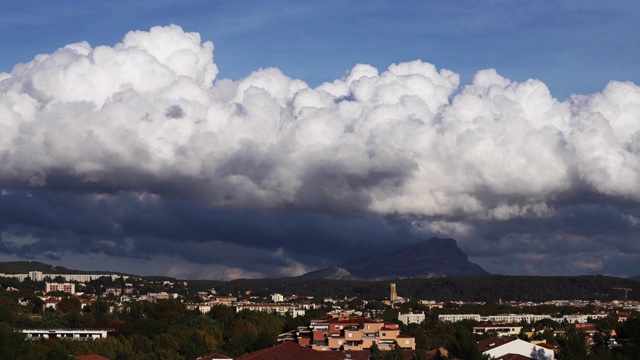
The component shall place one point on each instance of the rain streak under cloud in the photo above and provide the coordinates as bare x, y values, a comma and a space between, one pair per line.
138, 151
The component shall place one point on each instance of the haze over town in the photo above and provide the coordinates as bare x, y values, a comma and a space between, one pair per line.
221, 140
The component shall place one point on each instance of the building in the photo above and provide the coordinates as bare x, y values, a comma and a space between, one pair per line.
51, 304
411, 318
458, 317
277, 298
71, 334
349, 333
280, 309
204, 308
393, 296
500, 330
39, 276
64, 287
498, 347
515, 318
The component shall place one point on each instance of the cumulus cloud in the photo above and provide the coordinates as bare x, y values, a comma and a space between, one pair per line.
148, 117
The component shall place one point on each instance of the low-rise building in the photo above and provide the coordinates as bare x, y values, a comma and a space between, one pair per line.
458, 317
498, 347
349, 333
64, 287
411, 318
280, 309
71, 334
500, 330
202, 307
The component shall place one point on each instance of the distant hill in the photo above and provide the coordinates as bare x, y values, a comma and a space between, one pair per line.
23, 267
474, 288
432, 258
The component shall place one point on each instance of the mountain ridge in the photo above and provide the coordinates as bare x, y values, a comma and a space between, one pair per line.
435, 257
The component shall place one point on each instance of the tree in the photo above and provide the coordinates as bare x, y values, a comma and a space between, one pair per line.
69, 304
419, 355
464, 346
573, 346
374, 352
439, 356
12, 343
396, 353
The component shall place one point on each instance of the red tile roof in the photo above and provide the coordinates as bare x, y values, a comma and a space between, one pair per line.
288, 351
215, 356
492, 343
514, 357
547, 346
90, 357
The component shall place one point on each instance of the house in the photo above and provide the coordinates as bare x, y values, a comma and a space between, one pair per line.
24, 302
51, 303
84, 303
499, 347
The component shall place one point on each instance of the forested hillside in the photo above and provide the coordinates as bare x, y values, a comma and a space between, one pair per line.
485, 288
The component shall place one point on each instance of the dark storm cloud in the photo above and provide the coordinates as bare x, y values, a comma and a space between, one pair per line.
130, 225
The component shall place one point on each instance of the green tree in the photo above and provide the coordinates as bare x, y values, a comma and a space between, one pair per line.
69, 304
439, 356
374, 352
464, 346
573, 345
629, 335
12, 343
396, 353
419, 355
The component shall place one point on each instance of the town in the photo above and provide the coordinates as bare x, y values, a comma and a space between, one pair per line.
116, 316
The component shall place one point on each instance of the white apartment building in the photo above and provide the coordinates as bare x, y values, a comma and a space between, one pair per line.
40, 276
411, 318
458, 317
500, 330
515, 318
280, 309
72, 334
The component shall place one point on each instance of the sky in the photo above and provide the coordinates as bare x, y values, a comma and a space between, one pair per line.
226, 139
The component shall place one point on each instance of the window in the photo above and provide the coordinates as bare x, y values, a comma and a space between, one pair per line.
384, 334
406, 342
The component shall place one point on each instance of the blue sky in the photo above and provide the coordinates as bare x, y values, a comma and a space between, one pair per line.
132, 156
572, 46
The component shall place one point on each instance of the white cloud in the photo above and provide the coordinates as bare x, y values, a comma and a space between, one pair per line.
145, 115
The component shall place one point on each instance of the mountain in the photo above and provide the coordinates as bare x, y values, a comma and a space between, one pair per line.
432, 258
